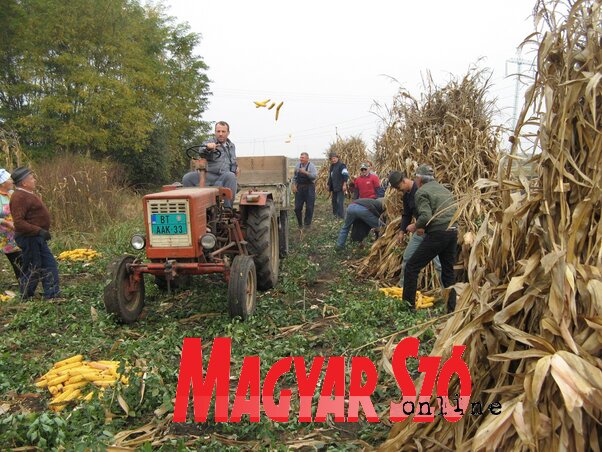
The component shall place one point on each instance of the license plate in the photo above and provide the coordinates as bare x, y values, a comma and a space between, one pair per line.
169, 223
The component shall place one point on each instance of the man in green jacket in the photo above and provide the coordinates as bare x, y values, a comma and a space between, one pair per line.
436, 207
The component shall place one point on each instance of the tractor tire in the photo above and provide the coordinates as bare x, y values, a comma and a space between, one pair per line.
283, 233
118, 300
262, 237
242, 288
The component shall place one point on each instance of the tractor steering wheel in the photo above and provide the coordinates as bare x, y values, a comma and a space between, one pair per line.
201, 152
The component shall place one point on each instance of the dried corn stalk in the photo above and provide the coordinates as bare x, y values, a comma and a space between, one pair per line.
352, 152
451, 129
531, 314
11, 154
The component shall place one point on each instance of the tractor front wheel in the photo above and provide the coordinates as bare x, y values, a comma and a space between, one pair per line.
262, 236
123, 296
242, 288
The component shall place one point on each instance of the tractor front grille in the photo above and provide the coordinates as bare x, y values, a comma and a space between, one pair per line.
168, 206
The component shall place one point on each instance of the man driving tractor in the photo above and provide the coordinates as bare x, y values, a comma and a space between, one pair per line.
221, 169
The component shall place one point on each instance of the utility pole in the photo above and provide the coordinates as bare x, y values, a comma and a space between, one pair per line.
520, 63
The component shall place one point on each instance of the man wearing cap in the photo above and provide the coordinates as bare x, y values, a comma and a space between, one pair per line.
400, 181
337, 184
367, 184
367, 210
435, 210
32, 223
304, 188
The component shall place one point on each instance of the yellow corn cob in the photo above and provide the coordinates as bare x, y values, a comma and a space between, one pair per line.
91, 376
42, 383
62, 370
77, 385
109, 363
58, 408
110, 378
53, 390
74, 378
72, 395
103, 383
278, 110
88, 396
62, 397
98, 366
73, 359
60, 379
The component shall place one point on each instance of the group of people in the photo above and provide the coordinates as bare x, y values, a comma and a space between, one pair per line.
24, 233
428, 212
366, 185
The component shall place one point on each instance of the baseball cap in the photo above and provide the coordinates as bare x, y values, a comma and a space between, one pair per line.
395, 178
425, 170
20, 173
4, 175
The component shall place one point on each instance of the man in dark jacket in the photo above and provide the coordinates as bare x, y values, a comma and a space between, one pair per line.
366, 210
435, 209
32, 224
400, 181
337, 184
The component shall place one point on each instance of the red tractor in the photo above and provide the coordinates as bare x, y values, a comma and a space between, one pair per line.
190, 232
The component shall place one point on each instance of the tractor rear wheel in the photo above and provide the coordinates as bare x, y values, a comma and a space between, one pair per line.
119, 298
262, 236
242, 288
283, 233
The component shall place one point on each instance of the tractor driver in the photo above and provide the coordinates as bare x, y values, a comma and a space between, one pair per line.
221, 171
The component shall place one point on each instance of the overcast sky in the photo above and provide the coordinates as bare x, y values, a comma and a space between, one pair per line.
329, 61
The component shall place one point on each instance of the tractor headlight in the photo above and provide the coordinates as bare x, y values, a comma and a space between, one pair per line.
138, 242
208, 241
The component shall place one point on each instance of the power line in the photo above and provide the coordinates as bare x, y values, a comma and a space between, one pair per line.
288, 94
300, 132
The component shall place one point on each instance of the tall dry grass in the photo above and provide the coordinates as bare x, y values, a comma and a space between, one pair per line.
84, 195
11, 154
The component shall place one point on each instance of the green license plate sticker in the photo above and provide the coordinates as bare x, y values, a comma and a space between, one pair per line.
168, 223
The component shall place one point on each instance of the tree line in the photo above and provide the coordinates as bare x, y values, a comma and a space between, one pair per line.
102, 78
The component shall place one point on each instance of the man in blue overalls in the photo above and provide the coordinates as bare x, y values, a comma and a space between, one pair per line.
304, 189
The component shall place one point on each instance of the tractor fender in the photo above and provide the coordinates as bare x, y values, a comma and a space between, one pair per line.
224, 193
255, 198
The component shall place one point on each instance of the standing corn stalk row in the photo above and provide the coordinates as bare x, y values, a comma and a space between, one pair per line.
452, 130
531, 313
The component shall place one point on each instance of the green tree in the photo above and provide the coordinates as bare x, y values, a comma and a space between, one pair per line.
100, 77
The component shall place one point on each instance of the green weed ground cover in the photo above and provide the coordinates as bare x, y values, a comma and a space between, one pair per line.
318, 291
